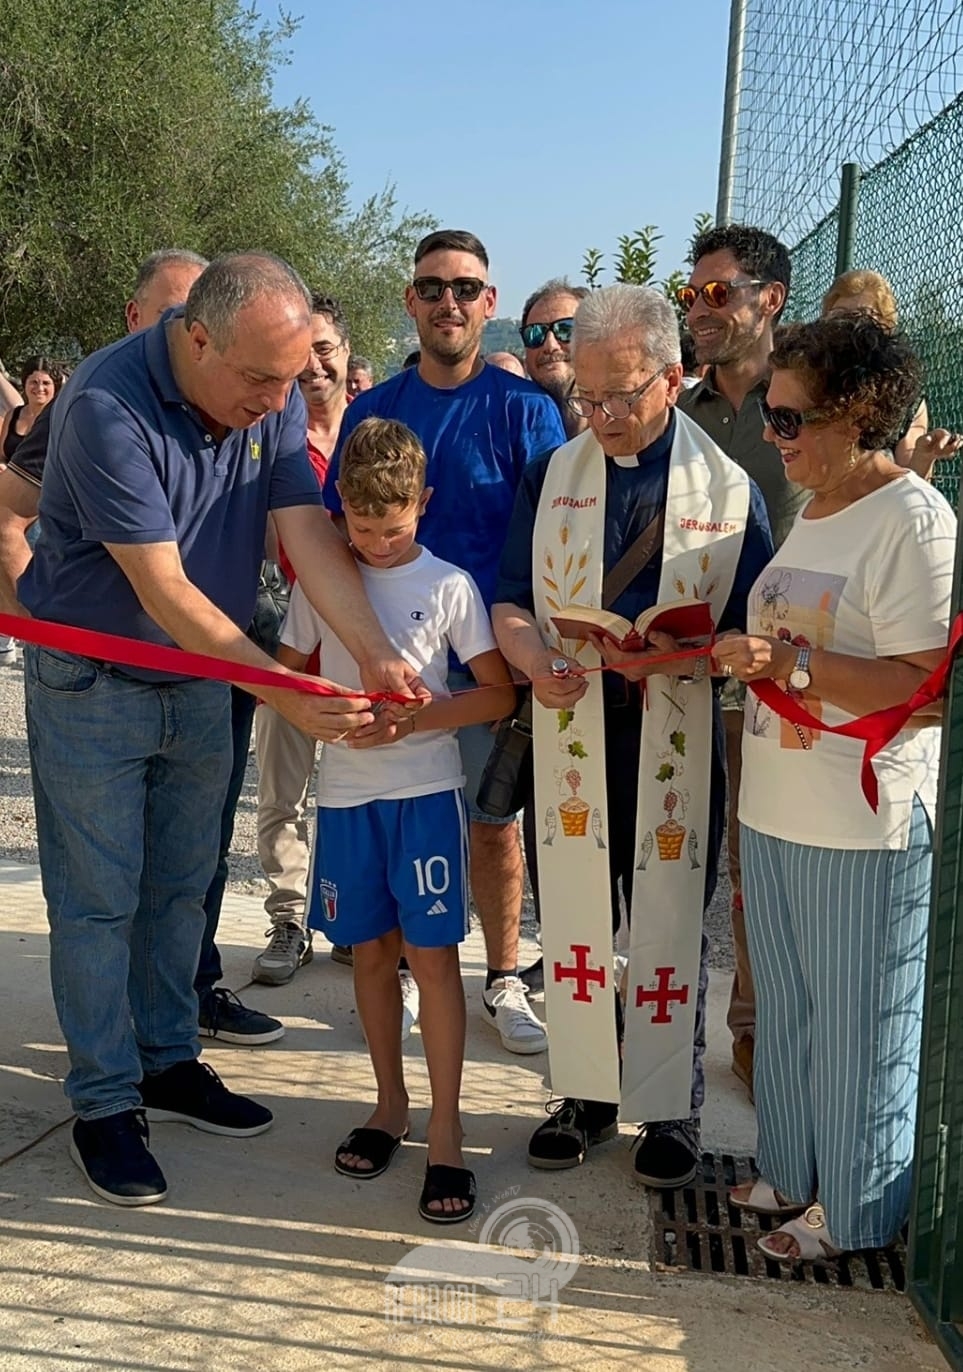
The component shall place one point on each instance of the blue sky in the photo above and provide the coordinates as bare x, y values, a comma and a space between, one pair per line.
545, 128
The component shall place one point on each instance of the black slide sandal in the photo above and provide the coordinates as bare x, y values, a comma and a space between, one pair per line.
447, 1183
377, 1145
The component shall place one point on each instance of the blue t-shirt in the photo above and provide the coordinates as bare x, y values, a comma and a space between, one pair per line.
479, 438
129, 461
633, 498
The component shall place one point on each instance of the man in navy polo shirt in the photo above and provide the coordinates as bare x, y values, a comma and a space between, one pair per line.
163, 280
167, 451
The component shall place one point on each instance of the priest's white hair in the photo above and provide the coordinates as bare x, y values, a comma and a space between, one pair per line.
617, 309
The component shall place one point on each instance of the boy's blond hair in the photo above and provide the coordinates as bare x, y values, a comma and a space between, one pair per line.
382, 466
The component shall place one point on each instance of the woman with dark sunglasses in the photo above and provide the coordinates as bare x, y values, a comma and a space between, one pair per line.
850, 617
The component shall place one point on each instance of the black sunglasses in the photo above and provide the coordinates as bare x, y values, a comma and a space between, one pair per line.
786, 423
534, 335
462, 288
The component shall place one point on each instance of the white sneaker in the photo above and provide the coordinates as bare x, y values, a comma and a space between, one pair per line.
8, 652
410, 1003
507, 1010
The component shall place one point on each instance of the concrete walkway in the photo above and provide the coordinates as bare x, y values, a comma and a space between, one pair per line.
264, 1258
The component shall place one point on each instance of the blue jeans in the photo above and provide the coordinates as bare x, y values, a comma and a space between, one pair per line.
209, 970
129, 783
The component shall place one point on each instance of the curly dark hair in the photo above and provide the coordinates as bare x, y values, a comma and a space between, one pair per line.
326, 304
854, 368
758, 253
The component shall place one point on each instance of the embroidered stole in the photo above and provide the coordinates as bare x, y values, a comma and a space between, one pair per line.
707, 505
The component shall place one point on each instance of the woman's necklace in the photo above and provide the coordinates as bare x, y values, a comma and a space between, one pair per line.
853, 468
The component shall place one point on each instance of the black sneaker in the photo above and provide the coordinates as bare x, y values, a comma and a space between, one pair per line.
192, 1093
534, 979
668, 1154
221, 1015
570, 1131
113, 1155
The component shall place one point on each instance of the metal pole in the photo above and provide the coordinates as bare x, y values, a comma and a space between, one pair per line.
731, 110
848, 208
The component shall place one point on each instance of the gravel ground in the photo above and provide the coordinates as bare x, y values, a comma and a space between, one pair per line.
18, 837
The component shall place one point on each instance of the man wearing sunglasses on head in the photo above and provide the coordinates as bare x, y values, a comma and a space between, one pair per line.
546, 331
735, 294
480, 426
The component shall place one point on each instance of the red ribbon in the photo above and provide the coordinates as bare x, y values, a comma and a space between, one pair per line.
876, 729
132, 652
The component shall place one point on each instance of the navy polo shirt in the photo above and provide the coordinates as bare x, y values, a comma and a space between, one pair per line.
128, 461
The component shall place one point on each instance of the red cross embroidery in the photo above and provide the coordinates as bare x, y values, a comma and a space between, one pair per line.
663, 995
581, 973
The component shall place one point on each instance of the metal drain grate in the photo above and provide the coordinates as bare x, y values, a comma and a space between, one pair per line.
697, 1230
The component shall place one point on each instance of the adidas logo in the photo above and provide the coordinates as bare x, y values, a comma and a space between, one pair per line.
439, 908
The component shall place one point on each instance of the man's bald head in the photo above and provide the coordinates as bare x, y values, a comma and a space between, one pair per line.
237, 280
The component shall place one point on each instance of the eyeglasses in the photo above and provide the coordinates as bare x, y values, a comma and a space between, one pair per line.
615, 406
714, 293
534, 335
786, 423
325, 351
462, 288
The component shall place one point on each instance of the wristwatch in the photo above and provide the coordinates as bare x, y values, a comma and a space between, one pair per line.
800, 678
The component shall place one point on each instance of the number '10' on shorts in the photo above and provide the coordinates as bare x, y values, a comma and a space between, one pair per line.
392, 864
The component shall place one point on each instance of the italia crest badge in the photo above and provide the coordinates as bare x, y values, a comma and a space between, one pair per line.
329, 899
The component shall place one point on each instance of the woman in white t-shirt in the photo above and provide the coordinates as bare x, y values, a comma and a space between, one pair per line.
850, 617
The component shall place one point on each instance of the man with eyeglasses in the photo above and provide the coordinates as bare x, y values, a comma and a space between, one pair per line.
546, 331
286, 755
641, 509
480, 426
735, 294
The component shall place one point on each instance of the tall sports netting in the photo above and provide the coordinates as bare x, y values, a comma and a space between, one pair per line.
877, 83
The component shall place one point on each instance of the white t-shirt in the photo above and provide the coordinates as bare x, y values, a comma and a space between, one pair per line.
873, 580
425, 607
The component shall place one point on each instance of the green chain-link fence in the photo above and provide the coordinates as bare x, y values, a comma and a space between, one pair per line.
876, 82
812, 85
909, 226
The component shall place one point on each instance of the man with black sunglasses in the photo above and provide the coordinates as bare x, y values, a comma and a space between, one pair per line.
546, 331
480, 426
737, 290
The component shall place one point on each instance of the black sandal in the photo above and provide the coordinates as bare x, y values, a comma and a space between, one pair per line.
447, 1183
377, 1146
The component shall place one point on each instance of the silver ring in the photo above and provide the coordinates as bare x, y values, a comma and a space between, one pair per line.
726, 669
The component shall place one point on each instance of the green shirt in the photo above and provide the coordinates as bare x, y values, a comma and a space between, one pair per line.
739, 435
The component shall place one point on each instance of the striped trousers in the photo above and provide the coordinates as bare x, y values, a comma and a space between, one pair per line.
837, 939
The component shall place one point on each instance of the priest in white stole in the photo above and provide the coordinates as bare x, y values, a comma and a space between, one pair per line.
629, 772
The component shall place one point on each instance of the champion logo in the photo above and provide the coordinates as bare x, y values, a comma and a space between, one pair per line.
439, 908
418, 615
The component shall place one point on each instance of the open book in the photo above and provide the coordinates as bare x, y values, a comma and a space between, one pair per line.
688, 621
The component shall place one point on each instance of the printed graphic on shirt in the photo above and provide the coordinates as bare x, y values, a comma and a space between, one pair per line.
798, 607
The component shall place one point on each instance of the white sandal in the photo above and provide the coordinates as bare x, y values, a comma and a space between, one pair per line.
810, 1235
763, 1199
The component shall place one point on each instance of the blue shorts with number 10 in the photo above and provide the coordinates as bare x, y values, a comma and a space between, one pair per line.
393, 864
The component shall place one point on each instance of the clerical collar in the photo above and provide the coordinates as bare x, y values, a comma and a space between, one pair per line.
655, 452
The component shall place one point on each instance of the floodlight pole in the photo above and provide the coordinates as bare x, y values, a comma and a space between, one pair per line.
731, 110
